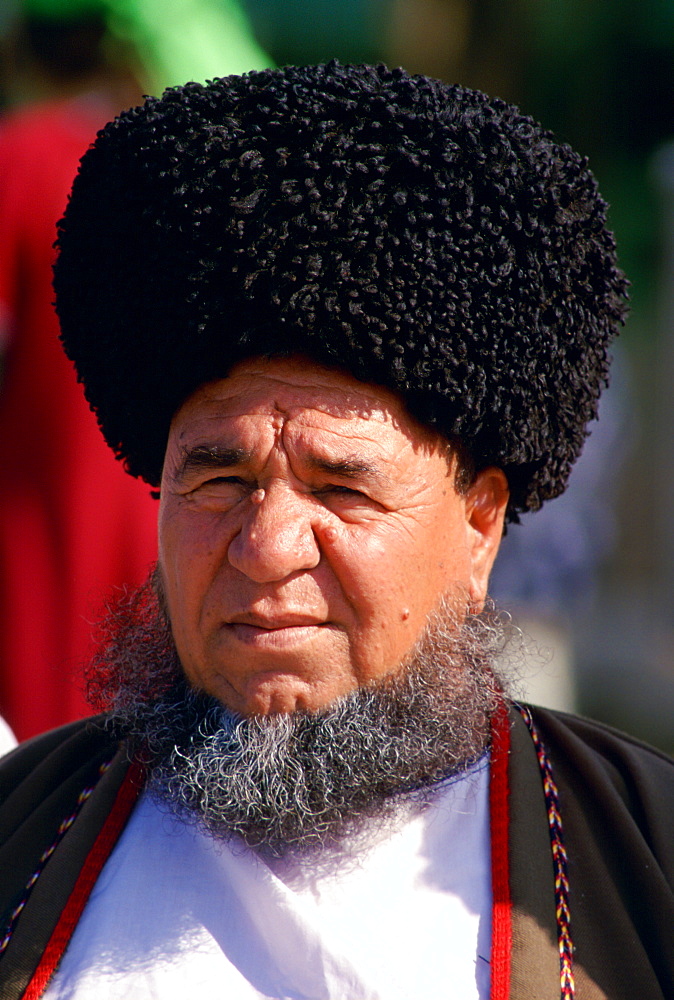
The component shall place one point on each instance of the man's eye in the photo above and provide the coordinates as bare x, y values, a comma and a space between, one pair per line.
334, 489
219, 485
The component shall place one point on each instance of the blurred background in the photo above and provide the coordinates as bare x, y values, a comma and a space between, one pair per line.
591, 577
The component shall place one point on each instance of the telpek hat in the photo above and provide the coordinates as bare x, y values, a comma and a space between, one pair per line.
419, 235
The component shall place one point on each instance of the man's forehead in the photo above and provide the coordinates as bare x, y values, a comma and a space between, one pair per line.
294, 389
328, 417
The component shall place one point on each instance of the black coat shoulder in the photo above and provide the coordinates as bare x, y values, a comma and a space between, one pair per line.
616, 799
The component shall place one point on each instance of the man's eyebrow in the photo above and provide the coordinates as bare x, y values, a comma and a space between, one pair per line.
346, 468
210, 457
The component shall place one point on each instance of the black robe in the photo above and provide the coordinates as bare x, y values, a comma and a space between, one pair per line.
617, 806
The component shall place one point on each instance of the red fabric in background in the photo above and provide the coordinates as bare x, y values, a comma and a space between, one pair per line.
73, 525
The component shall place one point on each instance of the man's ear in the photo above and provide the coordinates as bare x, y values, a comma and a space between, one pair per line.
486, 502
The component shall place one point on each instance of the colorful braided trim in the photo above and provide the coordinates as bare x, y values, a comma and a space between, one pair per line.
559, 860
44, 858
100, 851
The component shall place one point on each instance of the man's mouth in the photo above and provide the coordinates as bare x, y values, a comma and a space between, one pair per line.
274, 631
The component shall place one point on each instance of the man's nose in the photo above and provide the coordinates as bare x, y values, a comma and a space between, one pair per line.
276, 538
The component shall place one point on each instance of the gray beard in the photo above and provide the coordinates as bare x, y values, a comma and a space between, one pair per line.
300, 783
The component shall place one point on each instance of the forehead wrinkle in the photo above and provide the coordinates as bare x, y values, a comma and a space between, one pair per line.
325, 445
266, 394
359, 444
362, 425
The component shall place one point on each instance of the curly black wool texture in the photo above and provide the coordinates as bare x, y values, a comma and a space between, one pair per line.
420, 235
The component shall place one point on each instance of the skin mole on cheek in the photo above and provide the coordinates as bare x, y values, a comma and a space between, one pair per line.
257, 496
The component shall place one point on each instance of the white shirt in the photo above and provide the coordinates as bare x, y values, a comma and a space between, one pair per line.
176, 914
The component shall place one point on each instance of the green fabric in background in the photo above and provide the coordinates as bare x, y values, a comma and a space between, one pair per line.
176, 40
180, 40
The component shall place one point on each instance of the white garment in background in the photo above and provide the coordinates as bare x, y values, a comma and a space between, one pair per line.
176, 914
7, 738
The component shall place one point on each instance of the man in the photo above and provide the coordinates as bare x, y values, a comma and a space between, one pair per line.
348, 322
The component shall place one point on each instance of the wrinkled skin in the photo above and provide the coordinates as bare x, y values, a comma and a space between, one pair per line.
308, 527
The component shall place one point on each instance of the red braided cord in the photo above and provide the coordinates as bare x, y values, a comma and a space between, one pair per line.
501, 935
96, 858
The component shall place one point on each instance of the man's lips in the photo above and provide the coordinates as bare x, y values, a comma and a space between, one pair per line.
273, 632
282, 619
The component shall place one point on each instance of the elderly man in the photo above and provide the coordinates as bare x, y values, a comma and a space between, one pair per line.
349, 322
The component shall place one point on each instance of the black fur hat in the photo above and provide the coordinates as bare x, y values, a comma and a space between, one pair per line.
420, 235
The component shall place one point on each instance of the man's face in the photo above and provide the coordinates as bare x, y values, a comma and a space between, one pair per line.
308, 527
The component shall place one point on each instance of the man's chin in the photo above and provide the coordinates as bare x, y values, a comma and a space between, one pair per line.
256, 671
274, 692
